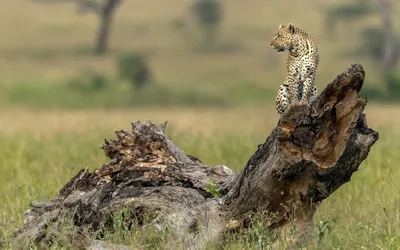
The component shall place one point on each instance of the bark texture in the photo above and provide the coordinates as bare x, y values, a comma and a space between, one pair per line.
310, 154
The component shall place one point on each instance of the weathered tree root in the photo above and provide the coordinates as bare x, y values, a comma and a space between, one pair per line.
310, 154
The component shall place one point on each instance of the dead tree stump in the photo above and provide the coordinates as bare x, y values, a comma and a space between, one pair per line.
310, 154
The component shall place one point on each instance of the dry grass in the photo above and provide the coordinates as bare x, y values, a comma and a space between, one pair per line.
207, 122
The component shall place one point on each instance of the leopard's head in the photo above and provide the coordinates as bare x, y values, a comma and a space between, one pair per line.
283, 38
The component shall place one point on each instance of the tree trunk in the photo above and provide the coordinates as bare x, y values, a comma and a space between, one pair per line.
390, 53
102, 36
106, 15
310, 154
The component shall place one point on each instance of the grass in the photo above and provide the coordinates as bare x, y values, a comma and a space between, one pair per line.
47, 61
53, 42
218, 103
94, 92
42, 151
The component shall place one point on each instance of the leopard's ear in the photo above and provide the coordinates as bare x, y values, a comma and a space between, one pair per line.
291, 27
280, 26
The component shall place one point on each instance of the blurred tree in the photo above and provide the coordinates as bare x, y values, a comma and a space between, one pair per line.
390, 49
104, 9
208, 14
347, 12
133, 67
380, 43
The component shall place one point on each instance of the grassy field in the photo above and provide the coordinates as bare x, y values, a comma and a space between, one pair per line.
49, 45
219, 103
41, 151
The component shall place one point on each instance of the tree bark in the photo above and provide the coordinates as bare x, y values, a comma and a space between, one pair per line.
310, 154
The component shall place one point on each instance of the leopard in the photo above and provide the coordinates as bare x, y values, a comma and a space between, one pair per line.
299, 87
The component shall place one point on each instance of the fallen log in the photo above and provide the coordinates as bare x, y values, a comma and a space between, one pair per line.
309, 154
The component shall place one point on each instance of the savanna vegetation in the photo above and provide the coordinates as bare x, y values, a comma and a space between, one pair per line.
59, 99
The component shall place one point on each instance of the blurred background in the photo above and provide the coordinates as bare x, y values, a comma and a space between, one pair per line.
73, 71
107, 54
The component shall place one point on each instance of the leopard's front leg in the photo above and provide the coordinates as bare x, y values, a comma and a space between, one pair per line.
314, 94
308, 87
291, 82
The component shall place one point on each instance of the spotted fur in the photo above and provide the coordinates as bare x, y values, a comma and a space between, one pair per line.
303, 58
